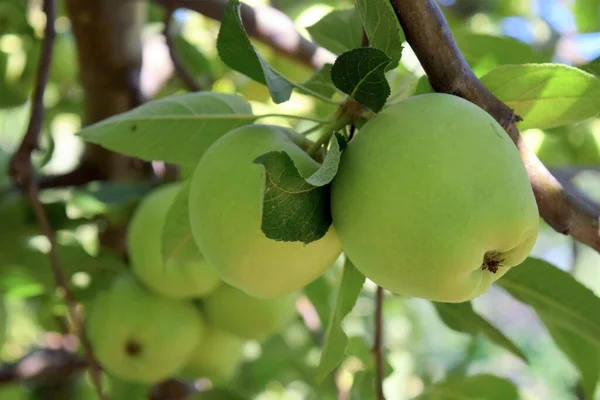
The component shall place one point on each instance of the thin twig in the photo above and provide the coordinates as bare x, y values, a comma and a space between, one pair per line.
266, 24
378, 345
22, 173
42, 365
428, 34
186, 77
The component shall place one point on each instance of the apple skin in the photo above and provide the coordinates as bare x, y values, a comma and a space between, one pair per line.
141, 337
427, 188
188, 275
226, 211
216, 357
249, 317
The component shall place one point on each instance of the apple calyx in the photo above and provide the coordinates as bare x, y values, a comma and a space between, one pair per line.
492, 261
133, 348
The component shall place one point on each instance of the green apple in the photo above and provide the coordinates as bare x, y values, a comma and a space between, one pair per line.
141, 337
226, 213
432, 200
216, 357
249, 317
187, 274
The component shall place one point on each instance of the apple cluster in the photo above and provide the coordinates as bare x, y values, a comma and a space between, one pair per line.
431, 200
176, 318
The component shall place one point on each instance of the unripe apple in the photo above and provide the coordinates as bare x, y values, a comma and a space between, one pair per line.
138, 336
249, 317
187, 274
432, 200
226, 214
216, 357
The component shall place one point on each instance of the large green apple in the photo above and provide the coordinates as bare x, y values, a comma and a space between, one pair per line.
226, 212
216, 357
432, 200
188, 274
141, 337
249, 317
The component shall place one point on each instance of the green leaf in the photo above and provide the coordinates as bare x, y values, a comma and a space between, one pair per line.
484, 52
325, 174
583, 354
338, 31
177, 129
546, 95
320, 82
13, 17
360, 73
286, 196
318, 292
555, 295
177, 240
462, 318
382, 27
335, 339
236, 50
423, 86
361, 349
477, 387
593, 67
195, 61
587, 15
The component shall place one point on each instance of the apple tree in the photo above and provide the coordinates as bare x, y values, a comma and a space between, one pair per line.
311, 199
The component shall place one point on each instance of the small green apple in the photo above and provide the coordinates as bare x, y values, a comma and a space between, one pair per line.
249, 317
432, 200
216, 357
226, 213
186, 275
140, 337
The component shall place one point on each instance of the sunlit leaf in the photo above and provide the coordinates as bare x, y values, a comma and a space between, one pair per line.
546, 95
177, 129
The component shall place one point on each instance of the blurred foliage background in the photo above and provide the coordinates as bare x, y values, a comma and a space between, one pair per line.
420, 349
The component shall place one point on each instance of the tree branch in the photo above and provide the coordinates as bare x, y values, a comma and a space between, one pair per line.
429, 36
378, 345
183, 74
266, 24
43, 366
22, 174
